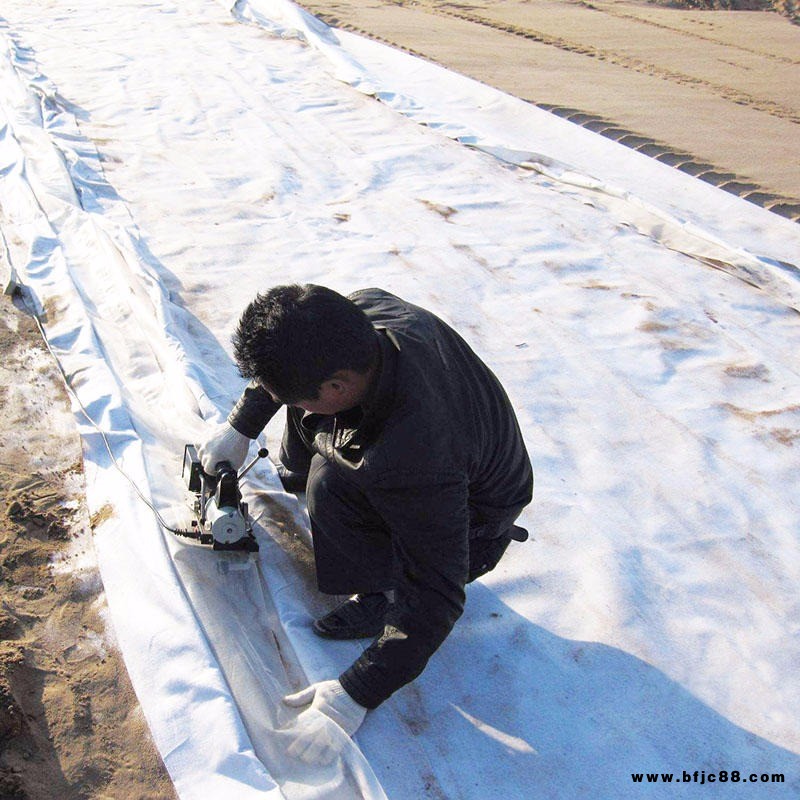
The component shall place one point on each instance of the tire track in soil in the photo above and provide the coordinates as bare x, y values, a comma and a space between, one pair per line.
613, 12
744, 188
621, 60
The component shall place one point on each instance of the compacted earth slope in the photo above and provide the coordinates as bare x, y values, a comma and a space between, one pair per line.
70, 726
712, 92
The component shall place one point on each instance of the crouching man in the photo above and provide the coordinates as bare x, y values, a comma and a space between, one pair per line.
413, 463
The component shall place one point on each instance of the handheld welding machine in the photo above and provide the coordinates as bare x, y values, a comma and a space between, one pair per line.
222, 518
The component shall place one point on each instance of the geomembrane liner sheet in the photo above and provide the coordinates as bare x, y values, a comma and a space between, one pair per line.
161, 163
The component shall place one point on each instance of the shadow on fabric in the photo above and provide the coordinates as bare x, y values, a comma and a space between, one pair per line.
506, 709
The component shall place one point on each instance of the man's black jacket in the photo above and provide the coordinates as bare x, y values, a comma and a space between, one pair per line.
439, 455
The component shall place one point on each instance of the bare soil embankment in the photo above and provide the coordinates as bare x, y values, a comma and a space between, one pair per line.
711, 92
70, 725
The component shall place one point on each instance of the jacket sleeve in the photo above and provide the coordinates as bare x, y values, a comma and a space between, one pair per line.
430, 528
253, 410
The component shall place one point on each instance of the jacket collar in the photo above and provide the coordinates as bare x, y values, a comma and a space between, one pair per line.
360, 425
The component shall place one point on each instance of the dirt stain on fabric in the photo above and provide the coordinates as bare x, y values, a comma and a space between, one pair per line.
752, 416
52, 310
785, 436
757, 372
442, 210
431, 787
653, 327
102, 515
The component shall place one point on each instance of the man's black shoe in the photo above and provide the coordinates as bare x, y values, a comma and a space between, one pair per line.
360, 617
292, 481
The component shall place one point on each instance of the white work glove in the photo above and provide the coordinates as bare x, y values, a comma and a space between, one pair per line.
324, 729
224, 444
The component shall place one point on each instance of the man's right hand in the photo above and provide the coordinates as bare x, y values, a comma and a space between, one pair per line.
225, 443
325, 727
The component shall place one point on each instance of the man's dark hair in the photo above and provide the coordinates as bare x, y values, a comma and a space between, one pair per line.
294, 338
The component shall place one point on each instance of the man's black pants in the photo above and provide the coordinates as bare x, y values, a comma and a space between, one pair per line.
352, 544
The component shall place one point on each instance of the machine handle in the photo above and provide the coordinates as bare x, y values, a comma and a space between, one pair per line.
262, 453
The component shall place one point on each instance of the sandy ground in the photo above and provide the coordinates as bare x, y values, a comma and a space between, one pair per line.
70, 725
714, 93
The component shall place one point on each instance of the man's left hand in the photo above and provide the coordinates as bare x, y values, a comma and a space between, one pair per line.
325, 728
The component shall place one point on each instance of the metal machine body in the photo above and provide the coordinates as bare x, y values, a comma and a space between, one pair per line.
222, 518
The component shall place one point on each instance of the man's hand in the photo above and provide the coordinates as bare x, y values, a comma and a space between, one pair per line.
325, 728
224, 444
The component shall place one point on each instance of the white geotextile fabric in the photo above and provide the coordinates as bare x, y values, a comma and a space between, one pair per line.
162, 162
